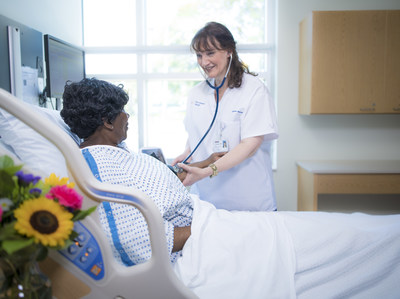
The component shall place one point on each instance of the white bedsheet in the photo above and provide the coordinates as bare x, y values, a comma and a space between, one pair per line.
291, 255
346, 255
237, 255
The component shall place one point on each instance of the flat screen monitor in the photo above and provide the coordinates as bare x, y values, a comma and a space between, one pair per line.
64, 62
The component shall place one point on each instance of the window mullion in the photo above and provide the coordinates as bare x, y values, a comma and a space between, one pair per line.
141, 90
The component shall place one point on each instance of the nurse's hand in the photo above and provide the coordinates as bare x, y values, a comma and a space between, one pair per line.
194, 174
181, 157
202, 164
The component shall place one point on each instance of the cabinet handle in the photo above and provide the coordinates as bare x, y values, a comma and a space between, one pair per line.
367, 109
396, 108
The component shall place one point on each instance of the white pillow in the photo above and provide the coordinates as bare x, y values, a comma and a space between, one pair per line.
30, 147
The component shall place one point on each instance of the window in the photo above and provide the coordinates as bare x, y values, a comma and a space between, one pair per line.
144, 45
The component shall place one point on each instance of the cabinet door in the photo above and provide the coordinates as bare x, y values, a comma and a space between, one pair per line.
347, 61
392, 64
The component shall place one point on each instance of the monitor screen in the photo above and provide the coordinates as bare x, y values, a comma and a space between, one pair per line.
63, 62
155, 152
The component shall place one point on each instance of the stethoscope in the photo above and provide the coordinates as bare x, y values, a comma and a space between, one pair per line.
216, 88
176, 168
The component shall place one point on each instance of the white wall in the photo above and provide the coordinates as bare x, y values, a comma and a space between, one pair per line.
322, 136
60, 18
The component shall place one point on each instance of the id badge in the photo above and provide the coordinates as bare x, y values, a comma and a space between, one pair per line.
220, 146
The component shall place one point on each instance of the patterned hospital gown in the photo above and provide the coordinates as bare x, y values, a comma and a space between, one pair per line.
124, 225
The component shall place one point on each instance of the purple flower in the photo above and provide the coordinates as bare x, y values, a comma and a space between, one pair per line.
35, 192
25, 179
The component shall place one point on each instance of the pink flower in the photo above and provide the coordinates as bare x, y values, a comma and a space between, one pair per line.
66, 196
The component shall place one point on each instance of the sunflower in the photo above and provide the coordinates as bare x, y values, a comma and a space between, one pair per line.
54, 180
45, 220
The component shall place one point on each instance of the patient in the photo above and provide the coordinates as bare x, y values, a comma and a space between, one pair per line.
232, 254
94, 110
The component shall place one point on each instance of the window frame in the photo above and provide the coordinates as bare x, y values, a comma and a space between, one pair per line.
141, 50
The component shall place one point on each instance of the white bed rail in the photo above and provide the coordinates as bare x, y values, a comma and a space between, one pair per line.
153, 279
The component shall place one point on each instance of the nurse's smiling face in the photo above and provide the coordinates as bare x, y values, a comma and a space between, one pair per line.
214, 63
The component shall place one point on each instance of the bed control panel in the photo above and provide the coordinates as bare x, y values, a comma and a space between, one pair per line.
85, 253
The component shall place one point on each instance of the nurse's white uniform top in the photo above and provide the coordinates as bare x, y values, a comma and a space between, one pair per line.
243, 112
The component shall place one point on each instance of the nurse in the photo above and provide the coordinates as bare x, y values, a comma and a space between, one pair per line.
243, 128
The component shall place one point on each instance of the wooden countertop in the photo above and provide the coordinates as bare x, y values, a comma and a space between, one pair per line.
350, 166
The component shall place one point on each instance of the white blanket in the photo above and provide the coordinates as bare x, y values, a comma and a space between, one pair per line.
346, 255
291, 255
237, 255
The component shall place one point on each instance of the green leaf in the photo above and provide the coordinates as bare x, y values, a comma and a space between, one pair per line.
73, 236
82, 214
10, 246
8, 231
13, 169
6, 184
70, 241
5, 162
42, 253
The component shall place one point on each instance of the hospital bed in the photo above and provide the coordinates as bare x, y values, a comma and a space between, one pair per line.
99, 276
228, 255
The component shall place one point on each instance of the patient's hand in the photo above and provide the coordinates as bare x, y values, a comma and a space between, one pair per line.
181, 234
182, 175
214, 157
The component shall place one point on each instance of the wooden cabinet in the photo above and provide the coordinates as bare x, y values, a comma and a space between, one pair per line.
350, 62
345, 177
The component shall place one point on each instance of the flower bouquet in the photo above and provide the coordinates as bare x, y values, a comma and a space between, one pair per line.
35, 216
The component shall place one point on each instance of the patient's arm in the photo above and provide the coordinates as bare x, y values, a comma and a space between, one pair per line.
211, 159
181, 234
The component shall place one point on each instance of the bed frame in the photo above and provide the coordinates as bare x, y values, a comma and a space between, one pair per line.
102, 276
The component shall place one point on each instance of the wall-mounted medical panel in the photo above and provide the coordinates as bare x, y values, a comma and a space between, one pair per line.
350, 62
21, 59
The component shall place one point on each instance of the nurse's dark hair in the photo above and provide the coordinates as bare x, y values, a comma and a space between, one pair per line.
90, 102
216, 36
